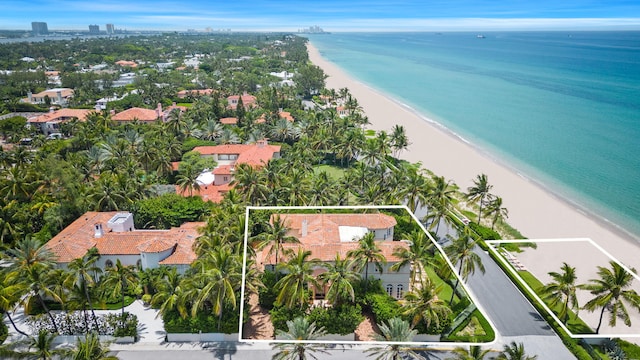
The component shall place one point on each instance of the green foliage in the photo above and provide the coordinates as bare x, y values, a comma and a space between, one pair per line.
169, 210
12, 125
484, 232
193, 160
128, 327
281, 314
205, 322
630, 349
267, 295
4, 332
190, 143
487, 336
405, 223
382, 306
337, 320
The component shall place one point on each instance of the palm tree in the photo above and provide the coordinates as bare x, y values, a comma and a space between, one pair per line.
424, 305
473, 353
367, 252
168, 294
340, 278
495, 211
611, 294
30, 265
562, 290
118, 279
221, 276
41, 347
399, 139
515, 351
250, 183
300, 330
294, 286
415, 186
275, 236
82, 272
397, 331
462, 252
187, 180
479, 191
417, 256
90, 349
9, 297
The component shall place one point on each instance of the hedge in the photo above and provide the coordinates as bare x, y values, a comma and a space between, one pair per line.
341, 320
202, 322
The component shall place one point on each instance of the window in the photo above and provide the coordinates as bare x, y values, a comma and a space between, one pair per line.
108, 264
390, 289
399, 291
225, 178
139, 264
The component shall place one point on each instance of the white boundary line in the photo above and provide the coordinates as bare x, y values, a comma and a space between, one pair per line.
342, 342
491, 243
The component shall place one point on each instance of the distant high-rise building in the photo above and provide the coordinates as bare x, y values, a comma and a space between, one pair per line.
110, 29
94, 29
39, 28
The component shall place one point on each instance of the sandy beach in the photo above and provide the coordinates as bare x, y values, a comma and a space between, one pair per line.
533, 210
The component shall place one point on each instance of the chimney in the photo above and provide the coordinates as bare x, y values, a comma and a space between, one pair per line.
30, 96
112, 112
59, 97
98, 231
159, 110
305, 227
98, 108
261, 143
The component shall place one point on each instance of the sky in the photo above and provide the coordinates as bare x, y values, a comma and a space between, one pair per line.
331, 15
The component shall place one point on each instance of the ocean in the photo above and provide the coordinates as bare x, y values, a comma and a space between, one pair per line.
561, 108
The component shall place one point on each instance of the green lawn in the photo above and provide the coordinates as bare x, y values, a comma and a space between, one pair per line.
575, 324
335, 172
445, 290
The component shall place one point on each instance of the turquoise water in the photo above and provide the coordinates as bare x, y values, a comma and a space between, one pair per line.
562, 108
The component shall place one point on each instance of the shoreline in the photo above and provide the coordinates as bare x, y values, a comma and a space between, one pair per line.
536, 210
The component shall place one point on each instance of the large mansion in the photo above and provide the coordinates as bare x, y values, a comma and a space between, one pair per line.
326, 235
115, 237
214, 183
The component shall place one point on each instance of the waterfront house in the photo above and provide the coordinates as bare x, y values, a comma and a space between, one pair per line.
326, 235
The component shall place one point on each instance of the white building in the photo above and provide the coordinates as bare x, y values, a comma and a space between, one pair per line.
114, 236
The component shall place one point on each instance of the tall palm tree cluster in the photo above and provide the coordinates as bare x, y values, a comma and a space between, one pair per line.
611, 292
493, 207
32, 281
297, 274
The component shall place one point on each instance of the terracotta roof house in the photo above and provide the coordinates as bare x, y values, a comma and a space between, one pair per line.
195, 93
125, 63
248, 101
139, 114
50, 122
57, 96
115, 237
227, 157
326, 235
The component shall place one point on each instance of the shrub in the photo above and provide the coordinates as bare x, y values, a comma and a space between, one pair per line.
630, 349
202, 322
433, 328
75, 323
281, 314
484, 232
382, 306
337, 320
267, 295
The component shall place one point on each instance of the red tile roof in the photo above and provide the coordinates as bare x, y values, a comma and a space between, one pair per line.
74, 241
223, 170
136, 113
323, 239
61, 115
211, 192
253, 154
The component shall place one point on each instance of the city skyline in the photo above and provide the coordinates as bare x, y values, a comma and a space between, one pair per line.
358, 15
